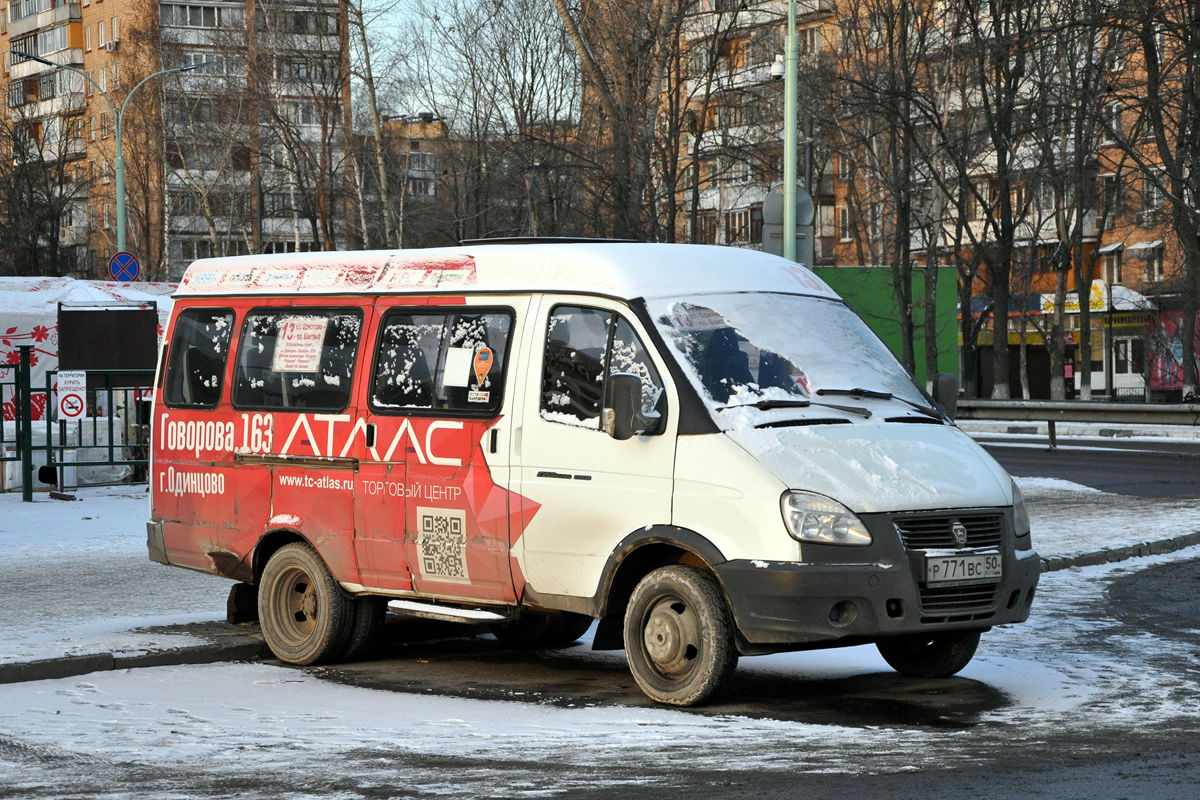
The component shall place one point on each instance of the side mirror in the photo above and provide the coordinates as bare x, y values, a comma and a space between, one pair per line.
945, 392
623, 417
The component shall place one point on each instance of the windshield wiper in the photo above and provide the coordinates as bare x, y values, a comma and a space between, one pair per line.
877, 395
767, 405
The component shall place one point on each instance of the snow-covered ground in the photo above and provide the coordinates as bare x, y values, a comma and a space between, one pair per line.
74, 578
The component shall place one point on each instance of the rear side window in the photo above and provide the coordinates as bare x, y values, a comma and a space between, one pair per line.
441, 361
297, 359
199, 352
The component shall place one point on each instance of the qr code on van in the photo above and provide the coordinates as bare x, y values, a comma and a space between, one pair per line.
442, 544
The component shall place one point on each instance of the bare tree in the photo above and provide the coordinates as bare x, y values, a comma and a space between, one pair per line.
374, 57
623, 50
41, 191
510, 114
887, 48
206, 148
1162, 37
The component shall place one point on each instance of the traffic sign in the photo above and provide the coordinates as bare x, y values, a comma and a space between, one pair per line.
72, 394
124, 267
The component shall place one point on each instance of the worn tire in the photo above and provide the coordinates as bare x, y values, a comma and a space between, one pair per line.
679, 636
305, 616
368, 615
937, 655
530, 630
574, 626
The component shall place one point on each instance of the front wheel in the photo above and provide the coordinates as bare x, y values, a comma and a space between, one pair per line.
305, 617
936, 655
679, 636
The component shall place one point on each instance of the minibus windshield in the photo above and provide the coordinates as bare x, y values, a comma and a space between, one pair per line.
774, 351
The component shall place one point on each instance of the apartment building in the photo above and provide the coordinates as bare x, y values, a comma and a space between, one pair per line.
882, 191
241, 153
734, 143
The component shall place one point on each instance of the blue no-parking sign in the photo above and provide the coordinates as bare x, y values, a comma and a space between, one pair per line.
123, 267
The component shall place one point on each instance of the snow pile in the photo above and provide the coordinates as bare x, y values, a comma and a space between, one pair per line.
1068, 519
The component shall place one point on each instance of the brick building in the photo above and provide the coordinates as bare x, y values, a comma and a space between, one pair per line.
1112, 222
243, 154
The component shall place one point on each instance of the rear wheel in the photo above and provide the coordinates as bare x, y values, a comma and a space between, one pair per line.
574, 626
679, 636
368, 615
305, 617
938, 655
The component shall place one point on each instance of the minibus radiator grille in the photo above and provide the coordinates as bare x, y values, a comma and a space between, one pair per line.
957, 603
936, 532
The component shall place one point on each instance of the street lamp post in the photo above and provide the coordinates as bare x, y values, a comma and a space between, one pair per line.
790, 67
118, 121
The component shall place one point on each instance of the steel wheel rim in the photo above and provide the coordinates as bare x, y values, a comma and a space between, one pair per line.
296, 606
672, 637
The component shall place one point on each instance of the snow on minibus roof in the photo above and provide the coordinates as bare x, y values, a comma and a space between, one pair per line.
624, 270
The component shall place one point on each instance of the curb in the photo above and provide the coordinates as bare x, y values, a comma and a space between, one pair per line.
1078, 430
237, 648
1113, 555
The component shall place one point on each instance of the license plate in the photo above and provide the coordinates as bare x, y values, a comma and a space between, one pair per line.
967, 568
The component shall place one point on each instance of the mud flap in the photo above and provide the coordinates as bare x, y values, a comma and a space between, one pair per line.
242, 605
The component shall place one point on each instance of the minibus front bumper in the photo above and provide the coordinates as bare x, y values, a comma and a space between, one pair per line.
843, 595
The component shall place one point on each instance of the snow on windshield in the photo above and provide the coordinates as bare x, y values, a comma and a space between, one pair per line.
746, 348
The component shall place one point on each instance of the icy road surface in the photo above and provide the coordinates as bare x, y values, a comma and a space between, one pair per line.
76, 580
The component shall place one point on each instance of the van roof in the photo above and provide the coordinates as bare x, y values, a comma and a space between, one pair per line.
624, 270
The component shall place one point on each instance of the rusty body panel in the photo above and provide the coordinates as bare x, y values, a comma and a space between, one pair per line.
368, 489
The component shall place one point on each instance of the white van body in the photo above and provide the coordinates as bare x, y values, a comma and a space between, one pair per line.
701, 447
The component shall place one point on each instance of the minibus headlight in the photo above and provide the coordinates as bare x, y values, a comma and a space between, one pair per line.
815, 518
1020, 519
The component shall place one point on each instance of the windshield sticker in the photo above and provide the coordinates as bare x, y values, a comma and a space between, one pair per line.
687, 317
298, 345
478, 397
483, 365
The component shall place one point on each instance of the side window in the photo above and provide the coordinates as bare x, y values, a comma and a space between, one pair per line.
583, 347
199, 352
301, 359
628, 355
435, 361
573, 375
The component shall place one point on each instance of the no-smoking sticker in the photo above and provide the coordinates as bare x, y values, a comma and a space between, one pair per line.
72, 394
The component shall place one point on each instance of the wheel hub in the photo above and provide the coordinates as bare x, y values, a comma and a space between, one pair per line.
308, 604
670, 638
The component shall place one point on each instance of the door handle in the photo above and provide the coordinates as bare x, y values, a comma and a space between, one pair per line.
566, 476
